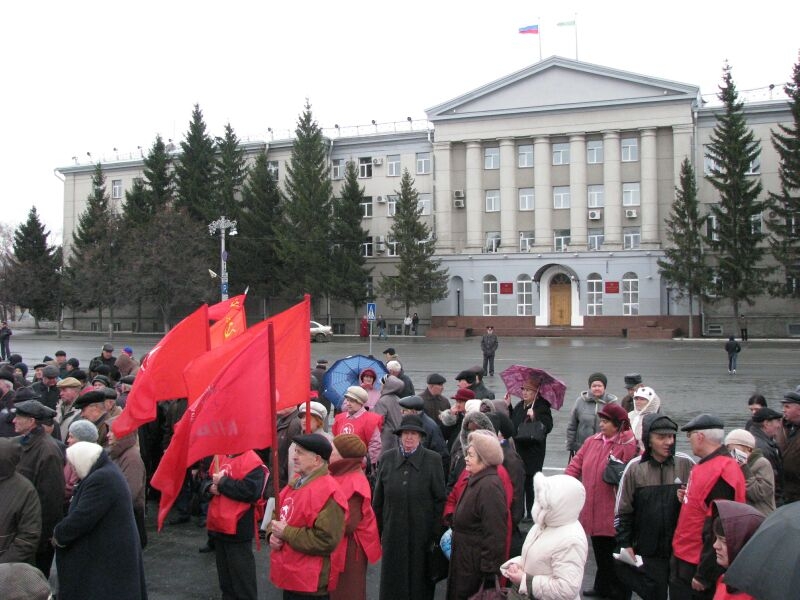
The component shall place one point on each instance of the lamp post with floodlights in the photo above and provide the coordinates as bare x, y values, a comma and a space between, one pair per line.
222, 224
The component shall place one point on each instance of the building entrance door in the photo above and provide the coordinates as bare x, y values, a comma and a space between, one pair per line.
560, 300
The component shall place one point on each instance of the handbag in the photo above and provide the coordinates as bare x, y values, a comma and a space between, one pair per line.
612, 474
495, 593
531, 432
437, 566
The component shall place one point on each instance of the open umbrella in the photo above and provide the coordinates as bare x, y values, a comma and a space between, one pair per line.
551, 389
344, 373
766, 568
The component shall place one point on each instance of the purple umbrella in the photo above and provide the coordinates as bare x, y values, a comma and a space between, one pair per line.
550, 388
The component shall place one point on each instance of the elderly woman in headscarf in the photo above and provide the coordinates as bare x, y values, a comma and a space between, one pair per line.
368, 379
734, 525
361, 543
615, 439
79, 431
480, 523
645, 402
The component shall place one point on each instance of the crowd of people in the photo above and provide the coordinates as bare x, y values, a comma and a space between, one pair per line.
434, 486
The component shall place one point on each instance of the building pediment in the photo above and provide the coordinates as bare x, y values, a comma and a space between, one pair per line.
560, 84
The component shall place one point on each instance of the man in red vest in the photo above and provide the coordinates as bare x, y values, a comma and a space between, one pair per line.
311, 514
237, 484
717, 476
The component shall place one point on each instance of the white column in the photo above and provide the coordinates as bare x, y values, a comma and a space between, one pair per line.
475, 196
543, 189
509, 204
577, 192
443, 201
649, 186
612, 181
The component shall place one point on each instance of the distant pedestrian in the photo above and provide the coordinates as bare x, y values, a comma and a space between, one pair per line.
382, 328
733, 348
743, 327
489, 346
407, 325
415, 323
5, 337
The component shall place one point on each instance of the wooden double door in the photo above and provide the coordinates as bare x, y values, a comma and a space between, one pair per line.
560, 300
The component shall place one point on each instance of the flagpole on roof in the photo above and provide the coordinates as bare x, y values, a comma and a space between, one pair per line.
576, 35
539, 20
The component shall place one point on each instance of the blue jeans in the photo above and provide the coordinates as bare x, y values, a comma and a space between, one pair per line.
732, 361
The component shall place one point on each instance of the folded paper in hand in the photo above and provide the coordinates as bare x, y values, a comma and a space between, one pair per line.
625, 557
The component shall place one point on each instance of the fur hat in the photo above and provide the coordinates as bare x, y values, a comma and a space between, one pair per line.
349, 445
741, 437
83, 431
472, 406
487, 447
82, 456
598, 377
463, 394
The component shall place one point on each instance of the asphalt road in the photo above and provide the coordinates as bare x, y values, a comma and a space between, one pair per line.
690, 377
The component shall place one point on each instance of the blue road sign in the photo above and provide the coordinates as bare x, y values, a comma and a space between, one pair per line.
371, 310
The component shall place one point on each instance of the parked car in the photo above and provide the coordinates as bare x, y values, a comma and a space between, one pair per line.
320, 332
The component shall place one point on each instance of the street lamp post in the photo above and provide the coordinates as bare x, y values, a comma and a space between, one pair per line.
221, 225
458, 302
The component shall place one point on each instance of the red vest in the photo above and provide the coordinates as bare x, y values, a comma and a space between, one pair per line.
223, 512
363, 426
687, 543
366, 534
292, 570
722, 593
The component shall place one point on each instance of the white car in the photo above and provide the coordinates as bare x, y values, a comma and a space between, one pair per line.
320, 332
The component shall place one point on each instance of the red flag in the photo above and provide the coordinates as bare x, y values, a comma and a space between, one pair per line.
232, 324
220, 309
293, 354
159, 377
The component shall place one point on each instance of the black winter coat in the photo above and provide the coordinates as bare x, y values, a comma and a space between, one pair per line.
532, 453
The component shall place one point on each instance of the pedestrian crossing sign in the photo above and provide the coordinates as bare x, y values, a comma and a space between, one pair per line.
371, 310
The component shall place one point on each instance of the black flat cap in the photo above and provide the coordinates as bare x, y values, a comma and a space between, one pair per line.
632, 379
766, 414
109, 393
35, 409
108, 348
791, 398
128, 379
7, 375
704, 421
468, 375
102, 379
89, 398
25, 393
436, 379
412, 403
50, 371
316, 443
390, 351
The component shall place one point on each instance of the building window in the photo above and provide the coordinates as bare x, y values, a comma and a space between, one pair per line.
631, 195
595, 238
393, 165
365, 167
754, 168
391, 247
712, 229
631, 237
366, 207
630, 150
526, 241
337, 168
273, 169
492, 200
489, 296
630, 294
561, 240
491, 158
524, 296
492, 241
116, 189
366, 247
594, 295
423, 163
560, 154
424, 204
594, 152
792, 285
755, 224
596, 196
561, 196
391, 205
527, 198
525, 156
709, 164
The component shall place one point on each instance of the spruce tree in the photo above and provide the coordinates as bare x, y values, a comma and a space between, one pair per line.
231, 172
7, 302
733, 151
420, 278
683, 264
159, 176
348, 265
784, 226
305, 240
33, 276
194, 173
255, 262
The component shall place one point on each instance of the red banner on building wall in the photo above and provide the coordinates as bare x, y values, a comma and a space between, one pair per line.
612, 287
506, 288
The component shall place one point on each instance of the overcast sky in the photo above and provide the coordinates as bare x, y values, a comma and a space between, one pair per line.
88, 76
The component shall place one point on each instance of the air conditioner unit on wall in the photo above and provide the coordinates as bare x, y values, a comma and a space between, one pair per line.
381, 199
630, 213
459, 194
458, 203
594, 215
377, 161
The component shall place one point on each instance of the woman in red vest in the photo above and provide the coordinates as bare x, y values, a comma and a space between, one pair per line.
361, 543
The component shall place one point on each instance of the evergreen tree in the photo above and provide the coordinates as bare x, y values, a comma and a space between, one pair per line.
683, 265
195, 170
137, 208
733, 151
784, 226
231, 172
7, 303
305, 240
33, 276
348, 265
159, 176
420, 278
255, 262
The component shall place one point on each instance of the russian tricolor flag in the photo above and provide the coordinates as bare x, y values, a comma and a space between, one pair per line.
529, 29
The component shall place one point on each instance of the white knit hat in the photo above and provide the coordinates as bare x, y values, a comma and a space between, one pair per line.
741, 437
82, 456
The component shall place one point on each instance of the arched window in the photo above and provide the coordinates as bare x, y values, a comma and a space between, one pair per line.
594, 295
489, 296
524, 296
630, 294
